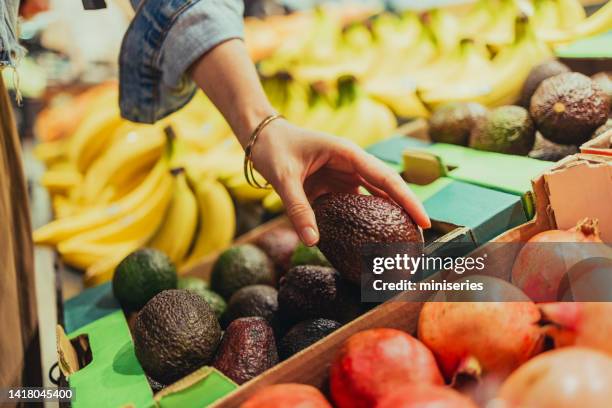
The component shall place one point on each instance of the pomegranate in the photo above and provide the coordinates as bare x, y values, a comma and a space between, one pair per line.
565, 378
475, 337
580, 324
287, 396
375, 362
425, 396
546, 257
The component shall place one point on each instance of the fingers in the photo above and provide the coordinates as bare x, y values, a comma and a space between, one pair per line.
383, 178
299, 211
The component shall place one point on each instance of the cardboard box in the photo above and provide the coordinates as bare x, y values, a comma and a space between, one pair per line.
601, 145
311, 366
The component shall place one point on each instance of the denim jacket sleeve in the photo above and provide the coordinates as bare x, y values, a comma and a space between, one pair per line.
163, 40
10, 50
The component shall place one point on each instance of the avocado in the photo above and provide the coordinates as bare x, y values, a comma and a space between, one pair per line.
549, 151
214, 300
304, 334
240, 266
453, 122
253, 300
349, 223
248, 216
506, 129
175, 333
279, 244
156, 386
567, 108
305, 255
604, 80
141, 275
603, 128
538, 74
248, 349
191, 282
309, 291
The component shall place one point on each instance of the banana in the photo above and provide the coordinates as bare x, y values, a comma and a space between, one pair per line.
597, 23
93, 134
87, 254
139, 224
60, 181
501, 30
62, 229
242, 191
128, 156
273, 203
217, 220
177, 230
50, 152
571, 13
547, 15
102, 270
445, 28
477, 19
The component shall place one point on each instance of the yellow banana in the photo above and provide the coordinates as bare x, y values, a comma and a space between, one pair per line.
87, 254
273, 203
92, 135
102, 270
597, 23
217, 220
571, 13
139, 224
128, 156
62, 229
60, 181
177, 230
445, 28
50, 152
243, 191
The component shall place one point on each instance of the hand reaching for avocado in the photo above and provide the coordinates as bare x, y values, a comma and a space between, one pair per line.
300, 164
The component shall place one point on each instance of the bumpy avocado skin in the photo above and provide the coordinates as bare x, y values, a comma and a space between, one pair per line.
175, 333
240, 266
248, 349
567, 108
350, 222
214, 300
310, 291
453, 122
304, 334
279, 244
253, 301
538, 74
507, 129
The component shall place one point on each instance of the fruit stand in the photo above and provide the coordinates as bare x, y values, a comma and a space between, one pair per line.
172, 280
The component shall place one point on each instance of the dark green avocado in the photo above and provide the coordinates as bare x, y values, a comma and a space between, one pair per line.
214, 300
506, 129
248, 349
240, 266
253, 301
141, 275
453, 122
305, 334
538, 74
350, 223
567, 108
310, 291
175, 333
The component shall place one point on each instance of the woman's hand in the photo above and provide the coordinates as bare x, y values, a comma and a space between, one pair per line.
302, 165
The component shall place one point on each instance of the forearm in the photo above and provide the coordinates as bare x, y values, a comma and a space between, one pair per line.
228, 77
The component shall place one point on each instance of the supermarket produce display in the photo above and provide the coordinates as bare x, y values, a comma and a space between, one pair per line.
190, 287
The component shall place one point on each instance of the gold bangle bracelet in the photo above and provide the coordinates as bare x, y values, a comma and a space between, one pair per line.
249, 170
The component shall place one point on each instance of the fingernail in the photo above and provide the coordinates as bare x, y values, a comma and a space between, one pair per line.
309, 236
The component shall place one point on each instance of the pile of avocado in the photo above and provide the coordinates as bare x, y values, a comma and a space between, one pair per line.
265, 302
559, 110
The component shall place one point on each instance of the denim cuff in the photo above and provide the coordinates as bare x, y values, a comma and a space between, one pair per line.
163, 40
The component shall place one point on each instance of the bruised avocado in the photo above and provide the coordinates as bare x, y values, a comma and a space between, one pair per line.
253, 301
567, 108
506, 129
453, 122
279, 244
248, 349
348, 223
310, 291
175, 333
305, 334
538, 74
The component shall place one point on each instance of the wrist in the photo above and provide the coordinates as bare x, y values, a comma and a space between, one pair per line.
247, 120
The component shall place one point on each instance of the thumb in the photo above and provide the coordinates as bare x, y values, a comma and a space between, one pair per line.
299, 211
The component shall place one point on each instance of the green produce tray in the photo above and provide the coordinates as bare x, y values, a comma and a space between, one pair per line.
114, 377
596, 47
390, 150
89, 306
